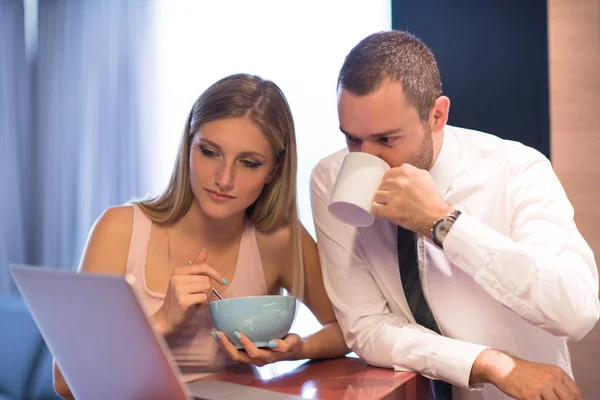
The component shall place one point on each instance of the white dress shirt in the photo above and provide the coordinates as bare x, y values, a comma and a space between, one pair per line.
515, 274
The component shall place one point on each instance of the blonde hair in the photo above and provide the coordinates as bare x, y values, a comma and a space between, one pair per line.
262, 101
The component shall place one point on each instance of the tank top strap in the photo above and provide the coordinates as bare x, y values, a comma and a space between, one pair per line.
138, 246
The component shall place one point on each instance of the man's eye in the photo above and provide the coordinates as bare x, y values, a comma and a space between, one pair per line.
207, 152
351, 139
387, 140
250, 164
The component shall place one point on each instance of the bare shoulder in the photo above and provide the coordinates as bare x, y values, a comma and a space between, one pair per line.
107, 245
116, 222
276, 242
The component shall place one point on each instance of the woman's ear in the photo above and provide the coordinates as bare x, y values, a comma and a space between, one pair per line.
274, 171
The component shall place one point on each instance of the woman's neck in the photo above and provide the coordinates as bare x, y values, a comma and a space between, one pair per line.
212, 233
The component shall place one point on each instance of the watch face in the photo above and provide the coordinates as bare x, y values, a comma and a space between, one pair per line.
442, 229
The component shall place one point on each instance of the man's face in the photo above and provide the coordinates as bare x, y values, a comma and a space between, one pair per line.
386, 125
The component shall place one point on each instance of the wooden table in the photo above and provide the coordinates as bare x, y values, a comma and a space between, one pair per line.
341, 378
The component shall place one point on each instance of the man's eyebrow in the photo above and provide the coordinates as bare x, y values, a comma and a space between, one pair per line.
376, 135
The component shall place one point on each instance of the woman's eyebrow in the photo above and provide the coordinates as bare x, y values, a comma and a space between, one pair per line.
242, 154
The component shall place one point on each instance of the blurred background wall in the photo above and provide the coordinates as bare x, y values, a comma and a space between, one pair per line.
574, 48
493, 59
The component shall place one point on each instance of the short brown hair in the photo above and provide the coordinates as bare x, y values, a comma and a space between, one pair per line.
396, 55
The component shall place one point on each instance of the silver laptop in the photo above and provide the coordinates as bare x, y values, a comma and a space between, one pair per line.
103, 342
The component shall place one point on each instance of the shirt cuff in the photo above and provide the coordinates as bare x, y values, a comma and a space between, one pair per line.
454, 362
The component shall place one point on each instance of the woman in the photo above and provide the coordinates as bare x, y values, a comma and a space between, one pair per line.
227, 220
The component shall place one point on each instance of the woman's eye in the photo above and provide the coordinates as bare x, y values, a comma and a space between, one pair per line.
207, 152
250, 164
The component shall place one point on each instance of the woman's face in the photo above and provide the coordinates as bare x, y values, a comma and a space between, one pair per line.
230, 163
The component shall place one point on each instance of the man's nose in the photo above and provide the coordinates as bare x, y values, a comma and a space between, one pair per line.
369, 147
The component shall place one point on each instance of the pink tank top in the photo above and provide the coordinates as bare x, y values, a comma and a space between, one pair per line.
194, 350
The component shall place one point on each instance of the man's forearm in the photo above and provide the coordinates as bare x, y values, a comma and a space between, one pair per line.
490, 366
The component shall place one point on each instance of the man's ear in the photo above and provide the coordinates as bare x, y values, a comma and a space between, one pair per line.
439, 113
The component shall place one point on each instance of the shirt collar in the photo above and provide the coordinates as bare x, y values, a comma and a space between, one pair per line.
444, 168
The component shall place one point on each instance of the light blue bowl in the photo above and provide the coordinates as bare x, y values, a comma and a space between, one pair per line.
261, 318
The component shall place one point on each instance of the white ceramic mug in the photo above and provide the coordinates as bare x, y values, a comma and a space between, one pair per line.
356, 184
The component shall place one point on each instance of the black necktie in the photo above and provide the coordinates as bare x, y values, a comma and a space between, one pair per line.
411, 283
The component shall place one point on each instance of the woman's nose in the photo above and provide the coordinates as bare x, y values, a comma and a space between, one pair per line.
225, 176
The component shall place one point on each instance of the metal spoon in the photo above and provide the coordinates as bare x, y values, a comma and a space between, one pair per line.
217, 293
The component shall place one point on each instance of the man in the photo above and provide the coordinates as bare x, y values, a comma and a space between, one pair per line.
475, 231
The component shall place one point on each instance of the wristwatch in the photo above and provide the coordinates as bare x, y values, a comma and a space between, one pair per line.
442, 226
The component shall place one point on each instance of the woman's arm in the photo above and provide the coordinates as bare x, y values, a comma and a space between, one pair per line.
60, 386
276, 253
329, 341
105, 252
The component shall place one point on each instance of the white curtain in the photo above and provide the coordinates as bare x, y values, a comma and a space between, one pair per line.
14, 134
91, 62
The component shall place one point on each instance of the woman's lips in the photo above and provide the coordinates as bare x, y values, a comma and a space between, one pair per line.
219, 197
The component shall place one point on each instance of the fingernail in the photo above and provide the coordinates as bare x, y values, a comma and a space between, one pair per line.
202, 250
225, 282
218, 335
272, 344
213, 335
237, 335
